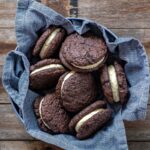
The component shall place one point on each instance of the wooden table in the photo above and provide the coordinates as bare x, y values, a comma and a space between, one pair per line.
124, 17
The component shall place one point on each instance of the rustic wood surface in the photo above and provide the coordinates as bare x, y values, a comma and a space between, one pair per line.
124, 17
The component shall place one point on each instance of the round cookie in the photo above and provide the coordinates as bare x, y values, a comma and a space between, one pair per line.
45, 74
90, 119
76, 90
49, 42
83, 53
114, 83
36, 105
52, 114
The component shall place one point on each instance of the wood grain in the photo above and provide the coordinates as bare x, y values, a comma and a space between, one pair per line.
10, 126
61, 6
26, 145
8, 41
7, 13
139, 145
113, 14
8, 10
38, 145
3, 95
12, 129
118, 13
7, 37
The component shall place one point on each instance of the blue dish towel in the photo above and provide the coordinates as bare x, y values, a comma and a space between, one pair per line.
33, 18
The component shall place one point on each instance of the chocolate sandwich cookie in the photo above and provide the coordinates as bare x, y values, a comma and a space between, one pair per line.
90, 120
114, 83
52, 115
76, 90
49, 42
45, 74
36, 105
83, 53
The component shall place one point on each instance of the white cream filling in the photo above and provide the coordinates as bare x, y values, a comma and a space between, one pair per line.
90, 66
114, 83
48, 41
85, 118
66, 78
51, 66
40, 112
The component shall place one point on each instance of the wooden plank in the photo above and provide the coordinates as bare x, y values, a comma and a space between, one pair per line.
61, 6
138, 130
12, 128
8, 10
8, 41
38, 145
7, 13
118, 13
3, 95
139, 145
26, 145
113, 14
7, 36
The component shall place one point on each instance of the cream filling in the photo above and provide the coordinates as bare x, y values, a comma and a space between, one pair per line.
90, 66
51, 66
66, 78
40, 111
113, 82
48, 41
85, 118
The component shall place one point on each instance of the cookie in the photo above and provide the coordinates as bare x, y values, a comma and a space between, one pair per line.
36, 105
114, 83
90, 120
49, 42
51, 114
76, 90
45, 74
83, 53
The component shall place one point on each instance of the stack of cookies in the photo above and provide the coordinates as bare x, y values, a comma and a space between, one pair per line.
75, 79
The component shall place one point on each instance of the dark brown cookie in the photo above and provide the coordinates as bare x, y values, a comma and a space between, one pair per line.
49, 42
53, 114
90, 120
104, 77
77, 90
40, 42
123, 87
45, 74
83, 53
36, 105
114, 83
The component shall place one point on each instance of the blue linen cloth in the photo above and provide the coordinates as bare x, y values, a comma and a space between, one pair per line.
33, 18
